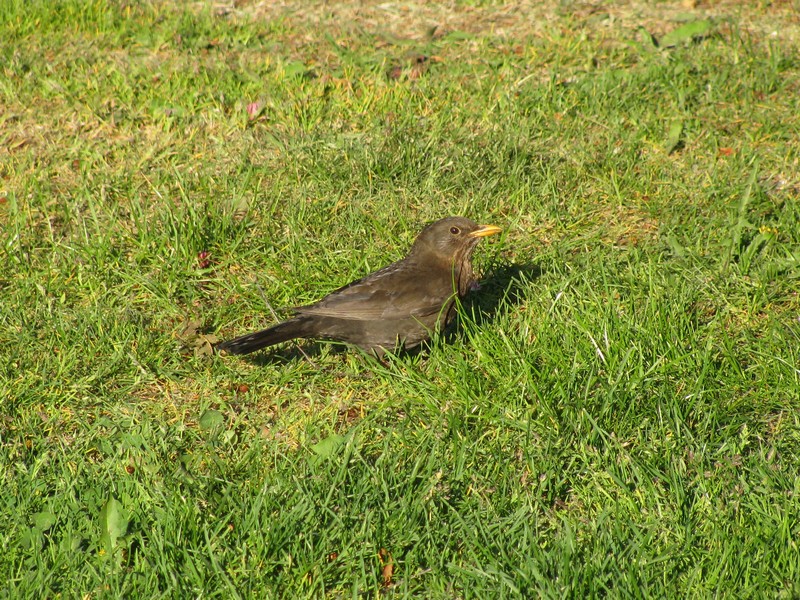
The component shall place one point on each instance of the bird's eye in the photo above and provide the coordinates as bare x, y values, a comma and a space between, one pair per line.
455, 230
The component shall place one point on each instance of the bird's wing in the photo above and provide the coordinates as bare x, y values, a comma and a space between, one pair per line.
391, 293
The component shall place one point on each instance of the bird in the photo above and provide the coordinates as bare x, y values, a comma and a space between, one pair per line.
395, 308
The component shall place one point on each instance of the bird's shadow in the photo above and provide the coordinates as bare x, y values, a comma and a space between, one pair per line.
503, 285
299, 349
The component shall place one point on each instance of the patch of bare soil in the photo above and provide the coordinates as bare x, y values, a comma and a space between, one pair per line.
420, 20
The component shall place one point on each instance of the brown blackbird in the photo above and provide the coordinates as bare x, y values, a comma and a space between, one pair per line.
396, 307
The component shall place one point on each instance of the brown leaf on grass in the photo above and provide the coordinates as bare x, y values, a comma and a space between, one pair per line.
194, 340
205, 346
725, 151
190, 328
387, 570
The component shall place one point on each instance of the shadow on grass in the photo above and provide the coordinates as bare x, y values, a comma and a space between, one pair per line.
503, 286
299, 349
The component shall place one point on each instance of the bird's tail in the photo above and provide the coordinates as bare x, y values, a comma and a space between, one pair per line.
282, 332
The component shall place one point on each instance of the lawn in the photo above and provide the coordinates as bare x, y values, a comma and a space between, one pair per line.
617, 413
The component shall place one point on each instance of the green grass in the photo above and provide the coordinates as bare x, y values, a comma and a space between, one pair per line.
618, 413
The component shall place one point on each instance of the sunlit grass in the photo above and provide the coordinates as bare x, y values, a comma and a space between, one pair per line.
617, 413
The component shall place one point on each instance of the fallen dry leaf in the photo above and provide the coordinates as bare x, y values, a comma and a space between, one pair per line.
194, 340
387, 571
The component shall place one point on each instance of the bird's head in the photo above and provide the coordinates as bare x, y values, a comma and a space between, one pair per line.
451, 240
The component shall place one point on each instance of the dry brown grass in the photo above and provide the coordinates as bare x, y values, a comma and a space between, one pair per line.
518, 20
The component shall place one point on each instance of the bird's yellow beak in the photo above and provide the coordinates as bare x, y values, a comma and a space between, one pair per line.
485, 230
